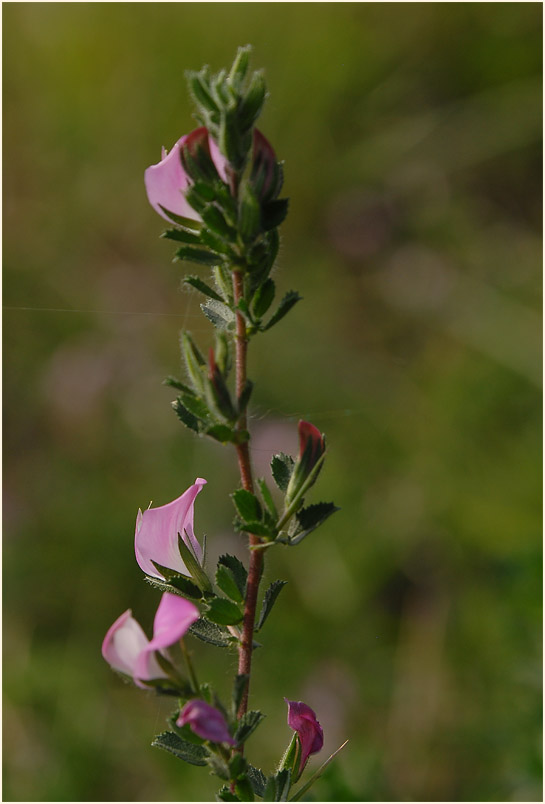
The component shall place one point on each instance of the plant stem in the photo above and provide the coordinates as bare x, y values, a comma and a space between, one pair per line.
243, 455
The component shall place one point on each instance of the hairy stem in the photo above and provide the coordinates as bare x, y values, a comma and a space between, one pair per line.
243, 455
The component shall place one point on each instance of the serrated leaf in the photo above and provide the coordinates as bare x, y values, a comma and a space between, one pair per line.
269, 600
172, 382
263, 298
237, 569
237, 766
247, 724
223, 612
239, 687
219, 314
291, 298
197, 283
247, 505
186, 417
193, 754
258, 780
267, 498
227, 584
198, 255
209, 632
308, 519
282, 468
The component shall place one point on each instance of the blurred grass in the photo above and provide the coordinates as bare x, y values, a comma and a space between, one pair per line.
411, 623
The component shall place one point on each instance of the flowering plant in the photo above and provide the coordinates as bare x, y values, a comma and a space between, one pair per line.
219, 190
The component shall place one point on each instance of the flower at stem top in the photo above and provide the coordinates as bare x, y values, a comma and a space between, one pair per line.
167, 180
302, 719
126, 647
205, 721
157, 529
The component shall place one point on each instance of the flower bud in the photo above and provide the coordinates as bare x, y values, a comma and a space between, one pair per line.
307, 467
219, 396
205, 721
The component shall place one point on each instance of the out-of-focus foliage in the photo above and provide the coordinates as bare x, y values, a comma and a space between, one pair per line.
411, 621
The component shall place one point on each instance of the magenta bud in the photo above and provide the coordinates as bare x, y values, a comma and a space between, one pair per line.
302, 719
205, 721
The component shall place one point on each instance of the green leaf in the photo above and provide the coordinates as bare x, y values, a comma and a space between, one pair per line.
219, 314
257, 779
187, 223
193, 754
209, 632
216, 222
274, 213
179, 583
237, 569
196, 406
269, 600
263, 298
172, 382
201, 286
247, 724
247, 505
237, 766
182, 236
244, 789
223, 611
240, 67
199, 90
198, 255
267, 498
256, 528
239, 687
252, 103
186, 417
308, 519
249, 213
227, 584
282, 468
221, 432
290, 299
193, 360
197, 573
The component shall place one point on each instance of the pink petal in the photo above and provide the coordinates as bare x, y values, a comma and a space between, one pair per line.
165, 183
309, 433
156, 536
206, 721
173, 617
123, 643
302, 719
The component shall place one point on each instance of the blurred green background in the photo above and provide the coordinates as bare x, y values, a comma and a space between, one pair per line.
411, 135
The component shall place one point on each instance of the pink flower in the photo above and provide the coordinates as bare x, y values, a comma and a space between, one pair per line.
302, 719
205, 721
167, 180
127, 649
157, 529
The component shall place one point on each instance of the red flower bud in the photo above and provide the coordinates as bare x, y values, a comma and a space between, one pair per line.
311, 444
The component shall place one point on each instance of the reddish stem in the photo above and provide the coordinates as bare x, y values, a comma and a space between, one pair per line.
243, 455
